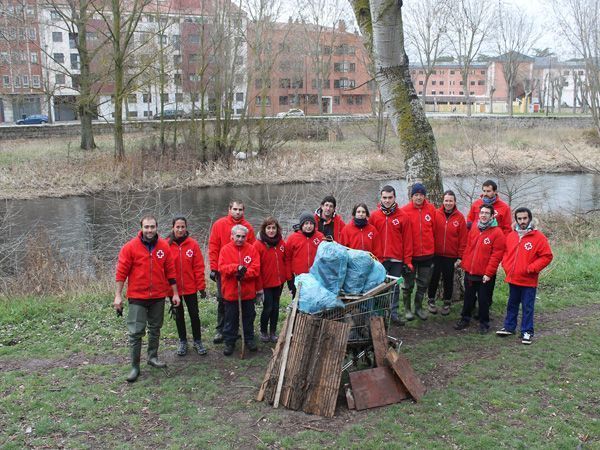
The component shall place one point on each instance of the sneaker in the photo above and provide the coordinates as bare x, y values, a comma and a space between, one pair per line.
274, 337
461, 324
228, 349
252, 346
182, 348
445, 310
396, 319
199, 347
218, 338
421, 314
431, 306
484, 329
264, 337
527, 338
504, 332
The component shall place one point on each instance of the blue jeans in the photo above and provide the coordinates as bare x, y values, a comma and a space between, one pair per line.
520, 295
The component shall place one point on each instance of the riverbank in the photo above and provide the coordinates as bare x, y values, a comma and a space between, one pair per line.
63, 360
56, 167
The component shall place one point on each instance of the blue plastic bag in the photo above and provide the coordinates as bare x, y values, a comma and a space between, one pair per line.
313, 297
376, 277
329, 267
360, 264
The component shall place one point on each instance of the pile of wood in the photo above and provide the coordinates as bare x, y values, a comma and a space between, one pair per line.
392, 381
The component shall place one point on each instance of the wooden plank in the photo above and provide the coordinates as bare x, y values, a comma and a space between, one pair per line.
349, 396
272, 362
379, 337
376, 387
407, 375
286, 349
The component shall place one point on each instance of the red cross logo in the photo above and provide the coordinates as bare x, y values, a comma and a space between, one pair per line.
528, 246
427, 217
316, 241
282, 249
487, 241
455, 223
370, 235
247, 259
189, 253
395, 221
160, 254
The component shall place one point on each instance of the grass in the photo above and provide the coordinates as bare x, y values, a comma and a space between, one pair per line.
63, 363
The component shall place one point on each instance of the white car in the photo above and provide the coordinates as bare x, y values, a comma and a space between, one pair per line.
294, 112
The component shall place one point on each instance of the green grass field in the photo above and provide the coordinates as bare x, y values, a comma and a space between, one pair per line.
63, 361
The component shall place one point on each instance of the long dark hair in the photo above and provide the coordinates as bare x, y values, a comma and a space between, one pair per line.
361, 205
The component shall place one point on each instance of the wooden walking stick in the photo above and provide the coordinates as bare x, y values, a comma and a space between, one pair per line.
243, 352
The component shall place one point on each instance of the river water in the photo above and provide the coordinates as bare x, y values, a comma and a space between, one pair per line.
88, 229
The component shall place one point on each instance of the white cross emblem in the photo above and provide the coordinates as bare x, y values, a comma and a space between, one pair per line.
281, 248
247, 259
528, 246
486, 241
427, 217
455, 223
189, 253
395, 221
160, 254
370, 235
316, 241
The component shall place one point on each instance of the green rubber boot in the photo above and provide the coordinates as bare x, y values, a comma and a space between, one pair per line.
419, 311
407, 312
153, 353
136, 351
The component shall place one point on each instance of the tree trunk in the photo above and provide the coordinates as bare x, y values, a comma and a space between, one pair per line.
86, 98
384, 26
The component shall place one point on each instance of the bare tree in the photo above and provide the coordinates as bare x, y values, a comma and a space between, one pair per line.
469, 26
381, 23
579, 20
427, 22
514, 39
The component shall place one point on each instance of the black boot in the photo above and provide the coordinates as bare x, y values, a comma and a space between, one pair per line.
136, 351
153, 353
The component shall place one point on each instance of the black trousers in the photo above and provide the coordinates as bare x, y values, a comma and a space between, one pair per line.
443, 267
220, 307
232, 320
270, 312
480, 292
191, 301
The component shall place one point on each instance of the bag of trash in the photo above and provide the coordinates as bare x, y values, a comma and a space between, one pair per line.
359, 267
313, 297
376, 277
330, 264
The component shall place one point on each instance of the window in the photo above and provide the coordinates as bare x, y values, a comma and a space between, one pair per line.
194, 38
441, 92
336, 99
471, 93
74, 61
57, 36
344, 66
147, 98
35, 81
177, 79
179, 97
420, 92
132, 113
54, 15
350, 100
194, 97
258, 84
433, 82
267, 100
461, 93
358, 99
31, 34
327, 50
580, 72
481, 83
177, 60
5, 80
59, 58
452, 72
483, 72
283, 99
441, 82
4, 58
91, 36
147, 113
176, 41
345, 49
132, 98
162, 39
421, 83
460, 82
59, 78
472, 83
313, 99
433, 72
73, 40
193, 77
285, 83
239, 96
34, 58
164, 97
421, 72
297, 83
17, 81
294, 100
432, 92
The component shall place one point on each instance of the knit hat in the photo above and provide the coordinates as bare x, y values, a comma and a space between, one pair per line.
418, 188
307, 217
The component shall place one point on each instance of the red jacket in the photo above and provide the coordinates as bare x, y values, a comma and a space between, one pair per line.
526, 257
395, 235
302, 251
220, 235
366, 238
421, 224
189, 265
274, 268
450, 233
484, 251
502, 214
230, 259
338, 224
147, 273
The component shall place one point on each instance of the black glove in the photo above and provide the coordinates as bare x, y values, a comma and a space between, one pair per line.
172, 310
405, 270
202, 293
241, 272
119, 312
213, 275
292, 287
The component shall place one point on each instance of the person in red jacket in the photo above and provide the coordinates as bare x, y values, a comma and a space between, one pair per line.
395, 241
527, 254
450, 243
220, 235
421, 214
359, 234
490, 196
327, 220
145, 263
274, 272
239, 265
189, 265
484, 251
302, 246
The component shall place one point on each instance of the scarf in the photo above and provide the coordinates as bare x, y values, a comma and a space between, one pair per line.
270, 241
308, 234
388, 211
523, 232
361, 223
178, 241
449, 213
484, 226
150, 244
489, 201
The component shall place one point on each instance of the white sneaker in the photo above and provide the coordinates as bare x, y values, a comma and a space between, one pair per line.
527, 338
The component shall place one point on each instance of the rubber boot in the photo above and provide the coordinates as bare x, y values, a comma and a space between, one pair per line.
136, 351
407, 312
153, 353
419, 311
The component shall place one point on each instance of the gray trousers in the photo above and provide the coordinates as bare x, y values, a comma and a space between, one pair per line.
141, 315
421, 276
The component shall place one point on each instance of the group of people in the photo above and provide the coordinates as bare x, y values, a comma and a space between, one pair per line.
417, 241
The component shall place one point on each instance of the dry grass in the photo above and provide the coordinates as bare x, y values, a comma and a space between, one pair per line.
56, 167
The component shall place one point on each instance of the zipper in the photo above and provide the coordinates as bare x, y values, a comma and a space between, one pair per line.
181, 266
386, 236
151, 271
277, 265
421, 229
